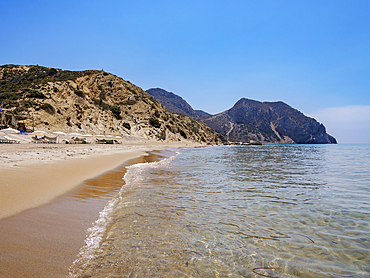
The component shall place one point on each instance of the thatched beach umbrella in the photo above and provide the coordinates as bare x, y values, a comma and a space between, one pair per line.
38, 132
10, 130
57, 133
75, 134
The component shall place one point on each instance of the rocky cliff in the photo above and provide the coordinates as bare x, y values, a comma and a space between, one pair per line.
268, 122
175, 103
94, 102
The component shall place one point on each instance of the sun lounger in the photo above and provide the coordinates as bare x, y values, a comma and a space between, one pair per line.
104, 141
79, 140
4, 141
12, 141
39, 140
50, 140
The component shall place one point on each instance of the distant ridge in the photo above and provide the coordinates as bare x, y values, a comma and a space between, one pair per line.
251, 120
175, 103
268, 122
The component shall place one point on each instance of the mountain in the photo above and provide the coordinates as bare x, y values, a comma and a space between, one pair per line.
92, 101
268, 122
175, 103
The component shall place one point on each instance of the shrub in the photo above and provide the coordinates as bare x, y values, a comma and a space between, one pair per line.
33, 69
8, 95
126, 125
69, 121
156, 113
29, 103
182, 133
116, 111
154, 122
48, 108
51, 72
80, 93
36, 94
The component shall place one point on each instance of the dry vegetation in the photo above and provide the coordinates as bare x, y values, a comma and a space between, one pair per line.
93, 102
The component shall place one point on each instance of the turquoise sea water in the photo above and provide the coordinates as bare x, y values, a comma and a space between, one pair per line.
238, 211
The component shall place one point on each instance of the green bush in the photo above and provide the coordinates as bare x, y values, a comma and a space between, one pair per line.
154, 122
29, 103
126, 125
33, 69
182, 133
80, 93
48, 108
8, 95
116, 111
36, 94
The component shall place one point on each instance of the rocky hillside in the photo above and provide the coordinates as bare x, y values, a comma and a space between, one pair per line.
175, 103
268, 122
94, 102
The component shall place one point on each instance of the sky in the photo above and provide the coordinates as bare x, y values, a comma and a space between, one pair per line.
313, 55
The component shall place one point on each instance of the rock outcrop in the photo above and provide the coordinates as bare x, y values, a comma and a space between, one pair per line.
94, 102
175, 103
268, 122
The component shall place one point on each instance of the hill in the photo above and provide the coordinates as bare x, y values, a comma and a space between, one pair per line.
175, 103
268, 122
94, 102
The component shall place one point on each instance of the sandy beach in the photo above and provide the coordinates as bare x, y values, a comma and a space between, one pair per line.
50, 195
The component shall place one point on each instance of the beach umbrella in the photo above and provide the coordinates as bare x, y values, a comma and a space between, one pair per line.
10, 130
75, 134
118, 137
100, 135
109, 136
59, 133
36, 132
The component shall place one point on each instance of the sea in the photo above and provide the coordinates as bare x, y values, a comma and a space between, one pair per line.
237, 211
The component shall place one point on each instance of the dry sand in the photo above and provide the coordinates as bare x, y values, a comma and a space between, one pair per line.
48, 198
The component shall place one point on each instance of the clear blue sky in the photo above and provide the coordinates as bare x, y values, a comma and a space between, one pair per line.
313, 55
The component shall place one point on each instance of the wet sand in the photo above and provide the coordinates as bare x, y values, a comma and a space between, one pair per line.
44, 233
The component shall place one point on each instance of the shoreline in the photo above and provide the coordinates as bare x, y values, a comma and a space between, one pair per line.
44, 227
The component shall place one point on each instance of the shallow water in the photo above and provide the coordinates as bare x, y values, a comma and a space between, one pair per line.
238, 211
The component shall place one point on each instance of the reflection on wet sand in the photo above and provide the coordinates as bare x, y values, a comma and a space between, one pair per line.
108, 184
44, 241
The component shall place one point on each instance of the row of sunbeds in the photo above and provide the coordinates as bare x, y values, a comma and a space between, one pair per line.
8, 140
53, 140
